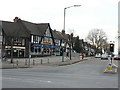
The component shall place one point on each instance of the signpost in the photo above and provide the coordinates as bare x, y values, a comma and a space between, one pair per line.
112, 68
111, 51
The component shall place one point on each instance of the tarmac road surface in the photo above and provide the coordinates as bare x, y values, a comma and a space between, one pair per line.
85, 74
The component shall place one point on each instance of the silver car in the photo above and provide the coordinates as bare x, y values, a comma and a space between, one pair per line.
104, 56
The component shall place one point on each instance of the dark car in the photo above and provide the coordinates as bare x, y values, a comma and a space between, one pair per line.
117, 57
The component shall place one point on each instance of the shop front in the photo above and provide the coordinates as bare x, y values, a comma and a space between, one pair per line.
36, 49
18, 52
47, 49
44, 49
57, 50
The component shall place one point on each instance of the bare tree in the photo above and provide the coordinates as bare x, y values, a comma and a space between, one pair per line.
98, 38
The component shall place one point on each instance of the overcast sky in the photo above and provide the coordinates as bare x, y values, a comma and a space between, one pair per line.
101, 14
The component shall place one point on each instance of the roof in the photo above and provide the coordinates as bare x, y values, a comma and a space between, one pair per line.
42, 27
56, 35
60, 34
33, 29
14, 29
36, 29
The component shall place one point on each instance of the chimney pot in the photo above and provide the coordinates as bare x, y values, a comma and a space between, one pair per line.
16, 19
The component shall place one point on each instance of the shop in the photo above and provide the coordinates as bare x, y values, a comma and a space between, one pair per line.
57, 50
17, 51
23, 37
47, 48
41, 49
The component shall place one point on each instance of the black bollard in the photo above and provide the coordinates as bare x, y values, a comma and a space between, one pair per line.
48, 60
33, 62
17, 63
25, 62
41, 61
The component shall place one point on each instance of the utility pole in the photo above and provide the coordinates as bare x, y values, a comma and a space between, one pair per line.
29, 53
70, 45
1, 40
12, 50
64, 27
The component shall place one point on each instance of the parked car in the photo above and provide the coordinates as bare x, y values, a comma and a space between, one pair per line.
97, 56
116, 57
104, 56
109, 55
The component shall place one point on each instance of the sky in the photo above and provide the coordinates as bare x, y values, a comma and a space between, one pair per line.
92, 14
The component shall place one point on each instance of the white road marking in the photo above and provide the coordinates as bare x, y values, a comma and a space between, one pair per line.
27, 80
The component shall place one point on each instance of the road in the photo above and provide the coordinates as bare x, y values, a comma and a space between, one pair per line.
85, 74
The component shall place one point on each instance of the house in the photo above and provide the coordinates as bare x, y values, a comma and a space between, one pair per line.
26, 38
58, 40
41, 37
15, 38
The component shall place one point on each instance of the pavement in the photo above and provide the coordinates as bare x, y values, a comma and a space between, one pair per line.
39, 62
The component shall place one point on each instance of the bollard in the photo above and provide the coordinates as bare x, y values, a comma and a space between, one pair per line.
110, 67
41, 61
33, 62
25, 62
17, 63
48, 60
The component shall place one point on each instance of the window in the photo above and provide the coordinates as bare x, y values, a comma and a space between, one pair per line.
23, 42
48, 50
44, 50
32, 49
32, 38
39, 49
17, 41
39, 40
35, 39
48, 39
35, 49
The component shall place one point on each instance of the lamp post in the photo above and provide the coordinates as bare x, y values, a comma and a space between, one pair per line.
64, 27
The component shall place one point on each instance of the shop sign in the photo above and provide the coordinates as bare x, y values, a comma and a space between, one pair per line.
49, 43
50, 46
37, 45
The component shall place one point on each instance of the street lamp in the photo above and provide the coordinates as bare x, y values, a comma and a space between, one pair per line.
64, 27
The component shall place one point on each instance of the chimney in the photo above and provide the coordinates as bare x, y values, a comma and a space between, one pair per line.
71, 34
54, 30
16, 19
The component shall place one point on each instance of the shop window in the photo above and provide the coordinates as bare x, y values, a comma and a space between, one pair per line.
48, 50
35, 49
32, 49
8, 52
44, 50
39, 49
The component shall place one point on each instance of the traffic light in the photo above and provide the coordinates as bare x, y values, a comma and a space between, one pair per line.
111, 47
